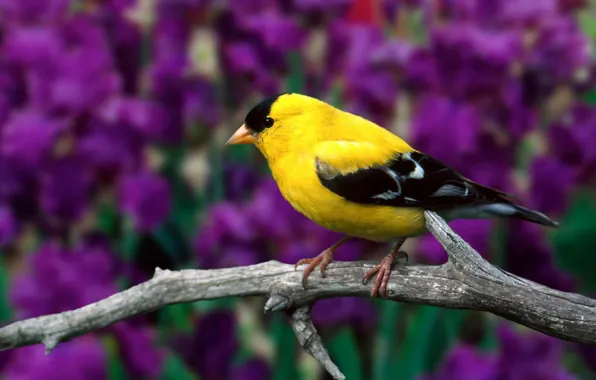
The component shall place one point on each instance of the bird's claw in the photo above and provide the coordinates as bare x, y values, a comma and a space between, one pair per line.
382, 271
322, 260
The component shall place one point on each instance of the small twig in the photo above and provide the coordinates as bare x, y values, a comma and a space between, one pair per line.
466, 281
310, 340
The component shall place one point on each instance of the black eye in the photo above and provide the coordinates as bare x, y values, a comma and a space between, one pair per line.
268, 122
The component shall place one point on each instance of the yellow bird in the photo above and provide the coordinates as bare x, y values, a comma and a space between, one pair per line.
352, 176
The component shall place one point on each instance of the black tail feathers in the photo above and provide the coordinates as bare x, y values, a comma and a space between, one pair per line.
533, 216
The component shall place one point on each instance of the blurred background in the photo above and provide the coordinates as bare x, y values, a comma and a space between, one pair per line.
113, 115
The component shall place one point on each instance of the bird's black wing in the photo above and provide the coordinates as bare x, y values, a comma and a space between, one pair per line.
410, 179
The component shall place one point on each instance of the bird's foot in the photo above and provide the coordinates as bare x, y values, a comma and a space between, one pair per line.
323, 259
383, 270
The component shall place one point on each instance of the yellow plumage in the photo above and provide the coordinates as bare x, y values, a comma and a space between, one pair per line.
347, 142
350, 175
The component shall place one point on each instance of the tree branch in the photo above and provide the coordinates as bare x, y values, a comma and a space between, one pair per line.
466, 281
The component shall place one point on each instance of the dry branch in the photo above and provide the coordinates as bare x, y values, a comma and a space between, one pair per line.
466, 281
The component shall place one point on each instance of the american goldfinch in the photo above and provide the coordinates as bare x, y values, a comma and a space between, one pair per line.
352, 176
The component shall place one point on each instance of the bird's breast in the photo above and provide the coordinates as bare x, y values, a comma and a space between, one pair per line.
300, 186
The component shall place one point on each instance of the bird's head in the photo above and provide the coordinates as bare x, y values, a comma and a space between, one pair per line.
284, 123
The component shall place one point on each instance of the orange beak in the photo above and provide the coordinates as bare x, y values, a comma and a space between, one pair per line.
242, 136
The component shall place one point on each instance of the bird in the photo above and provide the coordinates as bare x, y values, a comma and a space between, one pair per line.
350, 175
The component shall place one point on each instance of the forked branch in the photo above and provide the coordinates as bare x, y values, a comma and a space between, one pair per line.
466, 281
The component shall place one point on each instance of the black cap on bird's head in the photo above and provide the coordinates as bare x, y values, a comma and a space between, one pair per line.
256, 121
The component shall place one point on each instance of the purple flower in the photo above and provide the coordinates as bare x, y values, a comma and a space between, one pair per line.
33, 10
59, 280
561, 50
64, 189
146, 118
530, 355
138, 349
8, 225
201, 104
459, 137
109, 148
212, 346
253, 369
552, 182
521, 355
33, 47
241, 180
466, 362
571, 141
344, 310
530, 256
474, 62
80, 358
145, 197
29, 136
275, 31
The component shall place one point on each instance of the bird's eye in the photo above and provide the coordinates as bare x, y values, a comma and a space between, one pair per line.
268, 122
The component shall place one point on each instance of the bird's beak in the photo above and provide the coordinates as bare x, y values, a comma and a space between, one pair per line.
242, 136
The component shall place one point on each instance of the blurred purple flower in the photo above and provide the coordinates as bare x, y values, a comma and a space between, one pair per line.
64, 189
530, 256
241, 180
274, 30
473, 62
29, 136
561, 50
462, 136
344, 310
8, 225
201, 104
522, 355
228, 239
253, 369
33, 47
109, 148
58, 279
144, 117
146, 198
530, 355
589, 354
138, 350
212, 346
80, 358
466, 362
474, 232
571, 141
552, 182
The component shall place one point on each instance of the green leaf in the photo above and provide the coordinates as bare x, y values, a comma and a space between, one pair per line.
206, 306
173, 242
574, 363
587, 22
412, 360
490, 341
5, 309
295, 80
444, 335
576, 232
385, 347
174, 368
175, 318
116, 369
343, 349
590, 97
284, 365
130, 242
217, 178
335, 97
107, 219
